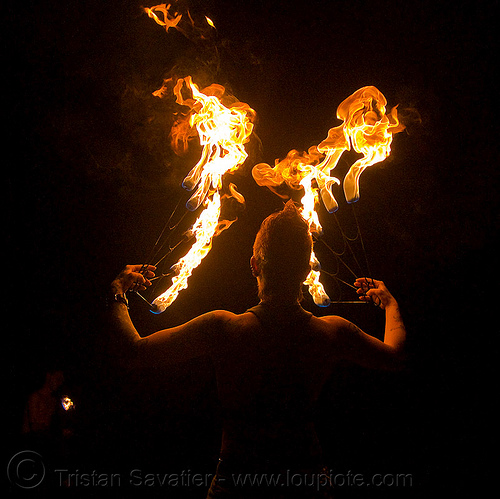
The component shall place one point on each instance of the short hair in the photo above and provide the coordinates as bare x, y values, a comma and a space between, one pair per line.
282, 249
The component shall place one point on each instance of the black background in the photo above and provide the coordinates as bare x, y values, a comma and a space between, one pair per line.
91, 181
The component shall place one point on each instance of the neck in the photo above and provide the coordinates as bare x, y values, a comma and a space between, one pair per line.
280, 302
286, 297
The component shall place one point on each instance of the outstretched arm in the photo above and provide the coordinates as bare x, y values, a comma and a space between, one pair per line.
366, 350
169, 346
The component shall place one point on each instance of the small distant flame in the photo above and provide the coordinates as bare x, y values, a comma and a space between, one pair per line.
368, 130
163, 15
67, 403
177, 16
222, 132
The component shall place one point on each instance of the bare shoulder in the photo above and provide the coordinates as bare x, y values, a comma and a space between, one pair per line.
227, 324
332, 323
224, 317
333, 320
221, 315
216, 317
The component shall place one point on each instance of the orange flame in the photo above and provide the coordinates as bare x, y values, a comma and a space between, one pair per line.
309, 213
299, 170
368, 130
180, 18
222, 132
167, 19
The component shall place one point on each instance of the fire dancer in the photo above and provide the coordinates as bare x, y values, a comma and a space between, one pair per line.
272, 361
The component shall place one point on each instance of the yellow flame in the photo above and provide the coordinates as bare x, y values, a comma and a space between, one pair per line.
204, 229
316, 289
368, 130
67, 403
222, 132
308, 212
301, 170
210, 22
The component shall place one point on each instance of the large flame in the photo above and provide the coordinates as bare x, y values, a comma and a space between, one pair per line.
222, 132
299, 171
309, 213
368, 130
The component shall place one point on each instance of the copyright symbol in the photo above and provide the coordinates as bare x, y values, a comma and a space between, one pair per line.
26, 469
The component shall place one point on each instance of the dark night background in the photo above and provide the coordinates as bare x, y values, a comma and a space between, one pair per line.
91, 181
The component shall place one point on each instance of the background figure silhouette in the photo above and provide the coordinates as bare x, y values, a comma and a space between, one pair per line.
271, 362
42, 407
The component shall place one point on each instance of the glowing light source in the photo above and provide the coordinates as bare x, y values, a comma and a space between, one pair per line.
222, 132
163, 16
368, 130
67, 403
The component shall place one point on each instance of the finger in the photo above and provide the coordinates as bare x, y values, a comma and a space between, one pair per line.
363, 283
138, 287
140, 280
366, 280
149, 270
363, 286
374, 296
142, 268
143, 278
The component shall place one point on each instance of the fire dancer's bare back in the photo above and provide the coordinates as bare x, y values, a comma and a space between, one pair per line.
271, 362
270, 371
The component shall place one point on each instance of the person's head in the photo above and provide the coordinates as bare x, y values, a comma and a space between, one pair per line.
54, 379
281, 254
